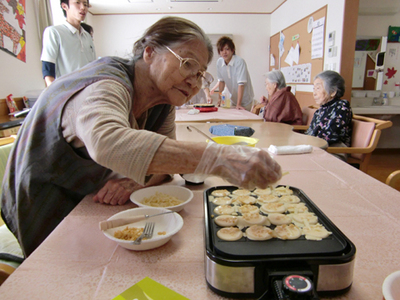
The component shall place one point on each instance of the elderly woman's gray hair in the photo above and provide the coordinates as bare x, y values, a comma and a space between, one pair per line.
171, 31
333, 82
277, 77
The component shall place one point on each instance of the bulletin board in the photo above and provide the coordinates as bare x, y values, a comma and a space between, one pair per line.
298, 33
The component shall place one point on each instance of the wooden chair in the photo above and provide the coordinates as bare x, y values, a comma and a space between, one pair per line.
257, 107
364, 139
393, 178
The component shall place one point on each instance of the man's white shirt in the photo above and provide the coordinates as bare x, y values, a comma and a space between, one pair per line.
67, 48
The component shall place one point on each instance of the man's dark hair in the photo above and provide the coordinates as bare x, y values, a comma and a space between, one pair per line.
66, 2
225, 41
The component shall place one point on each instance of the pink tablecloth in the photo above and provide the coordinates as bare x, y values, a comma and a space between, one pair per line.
223, 114
78, 262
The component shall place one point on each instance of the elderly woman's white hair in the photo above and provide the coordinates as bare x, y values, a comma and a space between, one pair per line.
171, 31
277, 77
333, 83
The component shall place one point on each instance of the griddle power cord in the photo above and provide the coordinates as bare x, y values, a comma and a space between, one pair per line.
264, 296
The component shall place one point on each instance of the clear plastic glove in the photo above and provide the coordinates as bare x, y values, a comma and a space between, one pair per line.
242, 166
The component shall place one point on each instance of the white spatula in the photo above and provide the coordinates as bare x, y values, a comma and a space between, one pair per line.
104, 225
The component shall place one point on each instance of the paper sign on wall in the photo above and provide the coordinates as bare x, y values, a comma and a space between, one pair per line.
272, 60
293, 55
317, 40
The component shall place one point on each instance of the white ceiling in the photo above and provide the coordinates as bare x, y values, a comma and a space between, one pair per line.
367, 7
175, 6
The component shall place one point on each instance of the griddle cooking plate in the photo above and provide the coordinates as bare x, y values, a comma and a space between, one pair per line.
333, 245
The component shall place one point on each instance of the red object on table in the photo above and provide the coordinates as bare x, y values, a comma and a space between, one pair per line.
206, 109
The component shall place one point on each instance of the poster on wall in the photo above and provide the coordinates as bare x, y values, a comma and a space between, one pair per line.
297, 74
12, 28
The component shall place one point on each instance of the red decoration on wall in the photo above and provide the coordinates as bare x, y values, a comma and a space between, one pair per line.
390, 72
12, 28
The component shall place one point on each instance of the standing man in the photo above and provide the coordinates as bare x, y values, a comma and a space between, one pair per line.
232, 71
67, 47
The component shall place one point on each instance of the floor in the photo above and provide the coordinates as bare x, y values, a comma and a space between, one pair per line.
383, 162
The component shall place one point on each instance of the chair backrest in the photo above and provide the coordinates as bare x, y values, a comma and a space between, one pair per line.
308, 113
361, 136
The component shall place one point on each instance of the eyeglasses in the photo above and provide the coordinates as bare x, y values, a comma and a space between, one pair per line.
190, 67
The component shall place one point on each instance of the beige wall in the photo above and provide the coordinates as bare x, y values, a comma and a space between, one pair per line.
115, 35
17, 77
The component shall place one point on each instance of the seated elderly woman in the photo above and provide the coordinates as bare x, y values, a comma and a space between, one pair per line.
118, 116
282, 105
332, 121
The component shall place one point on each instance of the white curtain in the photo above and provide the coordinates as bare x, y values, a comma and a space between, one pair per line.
44, 16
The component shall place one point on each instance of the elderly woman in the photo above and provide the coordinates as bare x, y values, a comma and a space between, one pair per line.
332, 121
117, 115
282, 105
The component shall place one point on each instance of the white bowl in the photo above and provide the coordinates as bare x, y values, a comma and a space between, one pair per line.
181, 193
391, 286
169, 223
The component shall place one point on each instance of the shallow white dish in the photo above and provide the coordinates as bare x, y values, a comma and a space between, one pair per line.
391, 286
169, 223
181, 193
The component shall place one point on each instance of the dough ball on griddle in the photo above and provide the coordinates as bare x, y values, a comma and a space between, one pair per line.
287, 232
224, 210
230, 234
241, 192
222, 200
220, 193
279, 219
259, 233
226, 220
275, 207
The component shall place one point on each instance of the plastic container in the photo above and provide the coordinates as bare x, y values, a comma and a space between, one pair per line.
397, 87
385, 100
225, 99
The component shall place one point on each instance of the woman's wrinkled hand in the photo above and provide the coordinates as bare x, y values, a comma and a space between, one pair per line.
116, 191
243, 166
263, 99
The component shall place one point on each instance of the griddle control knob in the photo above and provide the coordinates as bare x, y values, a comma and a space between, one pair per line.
297, 287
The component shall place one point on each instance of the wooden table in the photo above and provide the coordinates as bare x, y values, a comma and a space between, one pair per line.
222, 115
269, 133
78, 262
